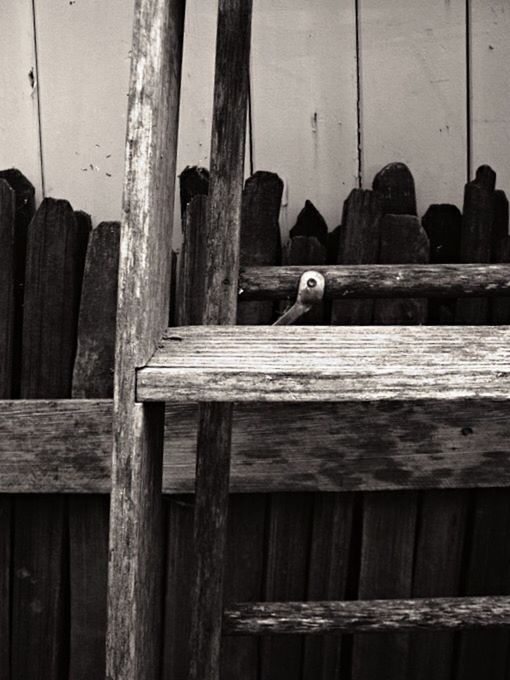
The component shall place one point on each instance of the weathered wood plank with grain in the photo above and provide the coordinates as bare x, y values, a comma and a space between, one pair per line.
328, 364
367, 616
223, 245
134, 598
380, 280
64, 446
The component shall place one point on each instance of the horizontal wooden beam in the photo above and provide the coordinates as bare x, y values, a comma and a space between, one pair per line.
65, 446
379, 280
344, 363
366, 616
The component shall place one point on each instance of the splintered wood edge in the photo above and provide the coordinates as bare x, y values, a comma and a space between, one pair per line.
365, 616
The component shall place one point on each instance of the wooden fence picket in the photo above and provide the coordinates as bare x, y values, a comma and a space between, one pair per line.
88, 515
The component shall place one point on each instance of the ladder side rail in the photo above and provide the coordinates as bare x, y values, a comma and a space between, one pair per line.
134, 602
223, 243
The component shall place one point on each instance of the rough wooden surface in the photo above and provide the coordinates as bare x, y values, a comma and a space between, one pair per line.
64, 446
134, 598
389, 520
329, 364
369, 616
88, 516
380, 280
55, 257
358, 243
223, 241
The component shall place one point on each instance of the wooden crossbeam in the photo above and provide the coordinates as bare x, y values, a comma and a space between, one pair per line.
380, 280
363, 363
366, 616
64, 446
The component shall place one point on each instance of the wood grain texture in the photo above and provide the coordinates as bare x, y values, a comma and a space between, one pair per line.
56, 246
381, 280
369, 616
223, 245
88, 516
328, 364
193, 263
65, 446
389, 520
134, 600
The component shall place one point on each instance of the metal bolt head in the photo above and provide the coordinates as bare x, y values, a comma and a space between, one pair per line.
311, 283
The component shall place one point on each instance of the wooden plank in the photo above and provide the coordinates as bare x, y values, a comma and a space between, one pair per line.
88, 516
358, 243
389, 520
24, 193
381, 281
443, 224
7, 213
260, 243
441, 515
413, 93
19, 112
64, 446
486, 566
328, 364
395, 184
290, 517
367, 616
490, 130
215, 419
7, 223
55, 256
134, 601
478, 217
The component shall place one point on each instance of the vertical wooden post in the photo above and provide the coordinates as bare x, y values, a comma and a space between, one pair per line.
133, 636
215, 420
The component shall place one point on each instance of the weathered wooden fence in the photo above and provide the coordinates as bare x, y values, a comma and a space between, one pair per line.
57, 316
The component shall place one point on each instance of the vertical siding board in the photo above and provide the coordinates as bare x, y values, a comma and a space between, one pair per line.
489, 77
304, 101
83, 86
413, 93
19, 109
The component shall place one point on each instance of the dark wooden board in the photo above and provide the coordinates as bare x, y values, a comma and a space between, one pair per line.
65, 446
88, 516
223, 244
7, 220
358, 244
389, 520
56, 247
395, 184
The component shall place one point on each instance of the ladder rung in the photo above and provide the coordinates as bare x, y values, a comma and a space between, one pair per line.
380, 280
365, 616
313, 363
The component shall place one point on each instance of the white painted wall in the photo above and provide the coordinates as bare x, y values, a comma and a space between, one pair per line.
308, 58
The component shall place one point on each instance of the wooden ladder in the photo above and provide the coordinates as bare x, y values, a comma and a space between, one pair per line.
217, 364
